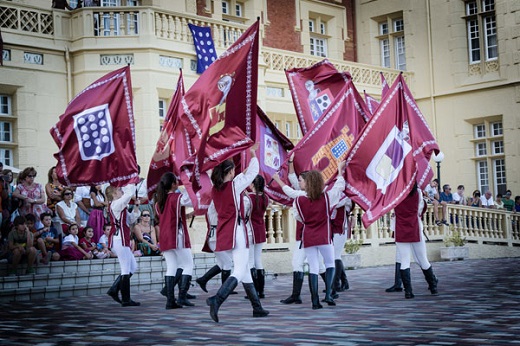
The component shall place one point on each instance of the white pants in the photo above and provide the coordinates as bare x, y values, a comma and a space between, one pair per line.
224, 259
418, 249
339, 244
178, 258
240, 256
125, 257
255, 255
299, 257
313, 257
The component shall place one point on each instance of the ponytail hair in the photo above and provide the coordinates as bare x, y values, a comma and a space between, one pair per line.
219, 172
168, 180
314, 184
259, 184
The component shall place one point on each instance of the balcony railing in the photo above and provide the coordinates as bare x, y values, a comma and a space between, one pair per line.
477, 225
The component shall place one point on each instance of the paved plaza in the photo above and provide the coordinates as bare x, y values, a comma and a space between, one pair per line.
478, 304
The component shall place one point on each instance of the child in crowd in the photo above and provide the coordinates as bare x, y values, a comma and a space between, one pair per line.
499, 203
103, 241
47, 239
20, 246
88, 244
70, 249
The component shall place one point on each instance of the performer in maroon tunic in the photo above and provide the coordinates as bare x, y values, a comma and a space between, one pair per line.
119, 240
313, 208
409, 239
259, 203
341, 225
174, 239
231, 231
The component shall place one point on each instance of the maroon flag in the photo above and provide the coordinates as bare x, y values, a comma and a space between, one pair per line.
332, 135
96, 134
372, 103
164, 158
384, 86
271, 154
391, 154
219, 109
313, 90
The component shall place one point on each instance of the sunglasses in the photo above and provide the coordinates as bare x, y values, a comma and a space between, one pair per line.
67, 194
31, 176
145, 215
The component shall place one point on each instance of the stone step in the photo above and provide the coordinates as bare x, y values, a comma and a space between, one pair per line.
87, 277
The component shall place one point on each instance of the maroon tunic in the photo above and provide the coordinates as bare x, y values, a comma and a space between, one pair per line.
258, 208
228, 217
407, 223
173, 216
316, 220
120, 226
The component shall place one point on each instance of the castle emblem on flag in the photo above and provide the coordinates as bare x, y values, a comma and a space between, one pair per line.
389, 159
334, 151
93, 129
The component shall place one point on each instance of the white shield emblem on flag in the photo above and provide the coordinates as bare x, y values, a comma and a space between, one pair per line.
271, 153
389, 159
93, 129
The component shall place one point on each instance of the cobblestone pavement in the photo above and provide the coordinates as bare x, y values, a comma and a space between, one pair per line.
478, 304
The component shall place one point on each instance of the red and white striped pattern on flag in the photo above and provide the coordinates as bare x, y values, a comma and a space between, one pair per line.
96, 134
391, 154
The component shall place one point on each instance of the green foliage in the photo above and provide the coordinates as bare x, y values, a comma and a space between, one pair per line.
454, 239
353, 246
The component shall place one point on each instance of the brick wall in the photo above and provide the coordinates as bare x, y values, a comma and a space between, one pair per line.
280, 33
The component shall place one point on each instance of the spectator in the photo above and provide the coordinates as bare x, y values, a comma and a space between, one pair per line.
21, 246
96, 218
31, 193
517, 204
68, 210
103, 241
48, 240
487, 200
475, 200
141, 193
432, 196
82, 199
445, 198
509, 204
91, 3
458, 197
61, 5
89, 245
144, 233
53, 189
70, 249
499, 203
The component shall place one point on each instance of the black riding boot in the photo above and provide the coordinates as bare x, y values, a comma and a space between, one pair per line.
313, 286
125, 292
255, 280
260, 277
204, 279
407, 283
297, 284
431, 279
344, 280
184, 285
216, 301
170, 293
258, 311
397, 287
178, 276
114, 290
225, 275
329, 277
336, 286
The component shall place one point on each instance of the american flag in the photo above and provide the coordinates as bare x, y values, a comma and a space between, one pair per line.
204, 46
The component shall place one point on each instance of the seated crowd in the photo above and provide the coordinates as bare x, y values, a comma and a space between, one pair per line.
42, 224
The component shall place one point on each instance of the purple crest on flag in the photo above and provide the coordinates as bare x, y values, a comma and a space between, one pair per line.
204, 46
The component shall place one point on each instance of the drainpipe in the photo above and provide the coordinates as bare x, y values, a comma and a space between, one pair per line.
432, 81
69, 74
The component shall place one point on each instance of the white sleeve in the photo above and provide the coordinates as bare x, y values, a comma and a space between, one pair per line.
185, 199
292, 193
336, 191
243, 180
293, 179
118, 205
212, 214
